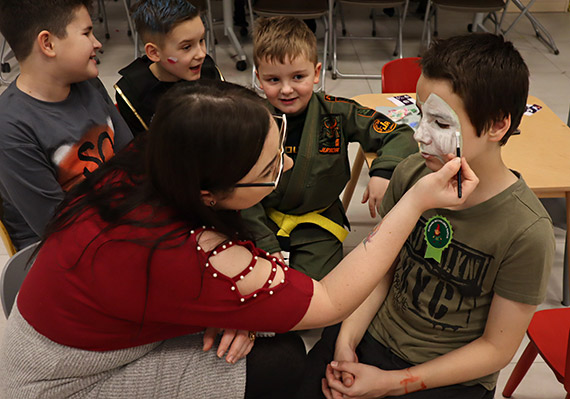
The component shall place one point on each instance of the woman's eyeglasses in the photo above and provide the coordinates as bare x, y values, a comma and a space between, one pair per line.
281, 121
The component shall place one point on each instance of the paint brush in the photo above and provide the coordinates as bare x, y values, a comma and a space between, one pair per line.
458, 153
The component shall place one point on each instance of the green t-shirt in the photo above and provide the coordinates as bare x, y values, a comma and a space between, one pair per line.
504, 245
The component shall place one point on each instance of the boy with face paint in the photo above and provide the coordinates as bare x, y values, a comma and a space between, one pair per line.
175, 48
456, 304
439, 132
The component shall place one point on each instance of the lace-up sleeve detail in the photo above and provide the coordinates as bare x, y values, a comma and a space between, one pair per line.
269, 287
273, 297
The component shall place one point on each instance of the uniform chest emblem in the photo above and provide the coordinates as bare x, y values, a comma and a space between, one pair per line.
329, 135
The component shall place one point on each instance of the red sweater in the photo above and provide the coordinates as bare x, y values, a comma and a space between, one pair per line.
99, 291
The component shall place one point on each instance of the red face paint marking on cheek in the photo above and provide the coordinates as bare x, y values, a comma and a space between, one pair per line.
172, 60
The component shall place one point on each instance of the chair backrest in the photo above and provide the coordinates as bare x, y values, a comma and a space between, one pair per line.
294, 8
5, 54
471, 5
401, 75
13, 275
6, 240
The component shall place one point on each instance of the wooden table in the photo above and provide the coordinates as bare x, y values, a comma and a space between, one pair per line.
541, 153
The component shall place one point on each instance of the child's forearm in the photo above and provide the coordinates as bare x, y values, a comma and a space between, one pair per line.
491, 352
355, 326
475, 360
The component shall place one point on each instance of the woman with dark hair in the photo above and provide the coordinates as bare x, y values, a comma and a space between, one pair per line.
150, 249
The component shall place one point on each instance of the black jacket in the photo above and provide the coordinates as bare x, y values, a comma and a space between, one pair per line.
138, 91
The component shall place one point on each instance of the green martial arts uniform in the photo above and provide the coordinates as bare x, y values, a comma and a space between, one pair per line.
320, 172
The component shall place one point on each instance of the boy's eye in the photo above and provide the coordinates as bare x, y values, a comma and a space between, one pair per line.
442, 125
187, 47
298, 77
273, 80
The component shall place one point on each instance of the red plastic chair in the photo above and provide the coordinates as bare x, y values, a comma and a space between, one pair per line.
401, 75
549, 334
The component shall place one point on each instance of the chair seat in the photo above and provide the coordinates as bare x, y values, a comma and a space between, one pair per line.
471, 5
291, 7
549, 332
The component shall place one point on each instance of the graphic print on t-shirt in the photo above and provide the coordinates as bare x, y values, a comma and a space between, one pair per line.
441, 293
77, 160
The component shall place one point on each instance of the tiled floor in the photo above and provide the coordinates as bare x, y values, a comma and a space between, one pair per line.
550, 81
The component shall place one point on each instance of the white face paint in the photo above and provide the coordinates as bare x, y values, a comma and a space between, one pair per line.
438, 126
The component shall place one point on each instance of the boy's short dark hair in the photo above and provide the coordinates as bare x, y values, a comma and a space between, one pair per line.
487, 72
156, 18
22, 20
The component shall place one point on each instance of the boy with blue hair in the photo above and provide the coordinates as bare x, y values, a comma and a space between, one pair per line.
175, 48
57, 123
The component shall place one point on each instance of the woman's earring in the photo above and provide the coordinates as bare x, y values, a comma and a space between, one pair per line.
212, 203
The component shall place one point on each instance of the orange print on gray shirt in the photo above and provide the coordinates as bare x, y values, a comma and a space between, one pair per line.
78, 160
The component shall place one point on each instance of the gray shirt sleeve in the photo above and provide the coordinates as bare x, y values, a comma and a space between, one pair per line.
29, 187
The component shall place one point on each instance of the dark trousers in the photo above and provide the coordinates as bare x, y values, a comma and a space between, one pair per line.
275, 367
373, 353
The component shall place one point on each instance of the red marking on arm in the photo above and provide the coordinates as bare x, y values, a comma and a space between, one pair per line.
410, 379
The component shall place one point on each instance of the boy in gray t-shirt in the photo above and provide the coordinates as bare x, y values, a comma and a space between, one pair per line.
57, 123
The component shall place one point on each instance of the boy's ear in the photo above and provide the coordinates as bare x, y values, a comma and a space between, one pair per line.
45, 43
258, 79
499, 129
318, 68
152, 52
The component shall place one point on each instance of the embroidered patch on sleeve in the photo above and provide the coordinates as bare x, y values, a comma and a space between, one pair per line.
366, 112
332, 99
383, 126
329, 135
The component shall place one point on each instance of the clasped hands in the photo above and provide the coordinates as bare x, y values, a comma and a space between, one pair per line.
346, 378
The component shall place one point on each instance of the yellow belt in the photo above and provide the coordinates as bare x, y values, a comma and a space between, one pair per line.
287, 223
